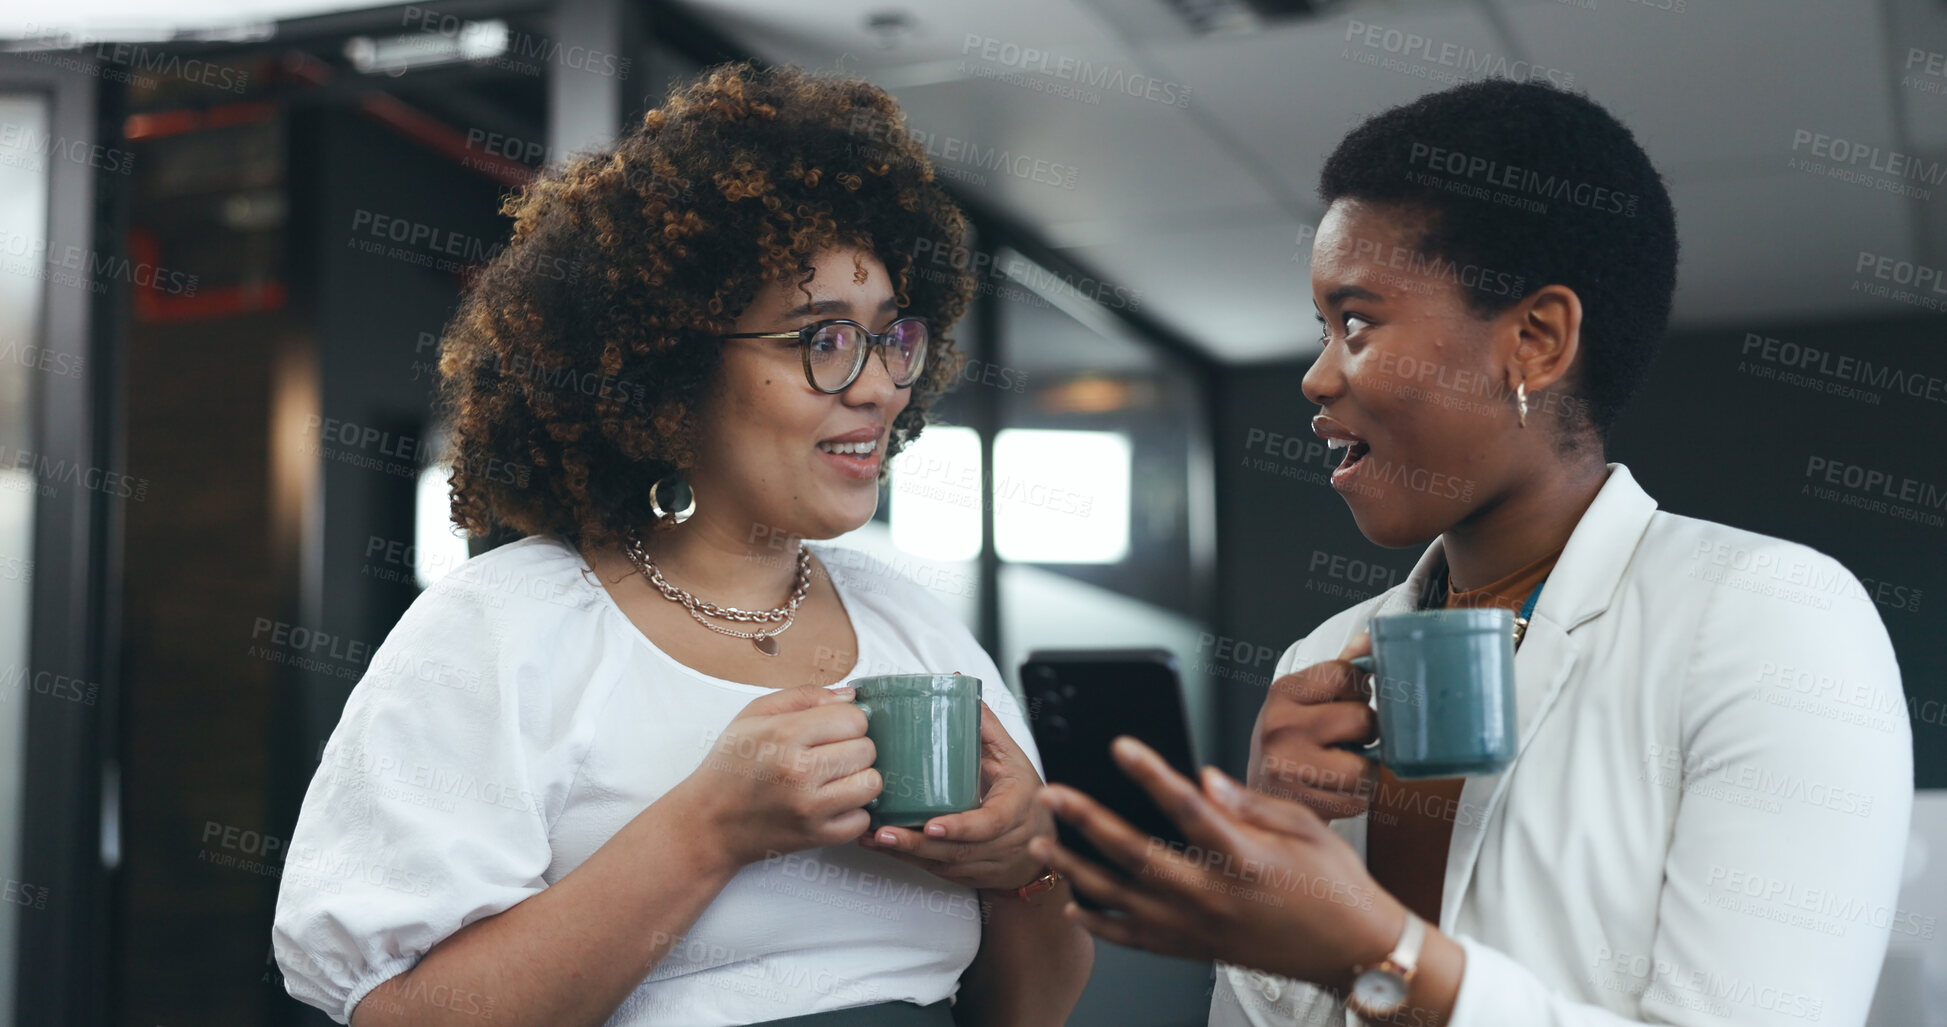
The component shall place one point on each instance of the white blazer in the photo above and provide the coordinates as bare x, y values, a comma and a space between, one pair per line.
1707, 815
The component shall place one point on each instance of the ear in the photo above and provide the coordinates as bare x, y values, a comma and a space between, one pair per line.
1548, 330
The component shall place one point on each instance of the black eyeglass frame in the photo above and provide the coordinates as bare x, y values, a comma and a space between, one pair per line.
879, 340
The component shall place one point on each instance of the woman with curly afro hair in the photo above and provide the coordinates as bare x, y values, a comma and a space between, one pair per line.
600, 774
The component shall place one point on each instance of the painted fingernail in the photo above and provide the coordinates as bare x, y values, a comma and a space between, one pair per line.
887, 838
936, 830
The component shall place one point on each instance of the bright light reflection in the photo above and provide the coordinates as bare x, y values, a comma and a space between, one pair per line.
1061, 496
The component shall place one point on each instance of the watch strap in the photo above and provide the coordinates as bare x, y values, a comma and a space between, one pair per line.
1047, 880
1406, 955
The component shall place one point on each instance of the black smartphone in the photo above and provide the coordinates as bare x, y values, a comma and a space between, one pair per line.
1079, 700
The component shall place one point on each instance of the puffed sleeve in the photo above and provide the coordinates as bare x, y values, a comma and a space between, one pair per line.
1786, 699
426, 812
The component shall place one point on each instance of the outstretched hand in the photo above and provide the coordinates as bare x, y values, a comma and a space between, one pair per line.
1263, 883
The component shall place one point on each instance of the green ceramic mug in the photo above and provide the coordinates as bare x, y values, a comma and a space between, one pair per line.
926, 730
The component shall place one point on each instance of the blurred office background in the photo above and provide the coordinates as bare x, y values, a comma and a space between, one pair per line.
219, 464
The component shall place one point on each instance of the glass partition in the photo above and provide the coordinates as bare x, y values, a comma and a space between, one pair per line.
1096, 483
1099, 489
23, 224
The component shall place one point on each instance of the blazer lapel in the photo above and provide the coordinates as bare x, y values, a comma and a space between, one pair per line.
1584, 580
1579, 588
1541, 666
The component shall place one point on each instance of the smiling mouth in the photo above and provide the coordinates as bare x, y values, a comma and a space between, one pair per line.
860, 450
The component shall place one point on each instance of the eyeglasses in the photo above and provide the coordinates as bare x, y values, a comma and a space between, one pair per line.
834, 351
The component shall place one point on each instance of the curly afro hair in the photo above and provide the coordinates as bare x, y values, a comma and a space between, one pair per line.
574, 367
1536, 182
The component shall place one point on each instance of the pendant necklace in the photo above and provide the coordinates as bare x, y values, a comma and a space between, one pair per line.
765, 641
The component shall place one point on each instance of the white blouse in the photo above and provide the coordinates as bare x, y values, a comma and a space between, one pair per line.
515, 719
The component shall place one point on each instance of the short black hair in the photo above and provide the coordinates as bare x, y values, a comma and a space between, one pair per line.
1539, 185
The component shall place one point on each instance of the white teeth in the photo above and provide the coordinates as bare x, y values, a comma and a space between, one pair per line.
850, 448
1337, 443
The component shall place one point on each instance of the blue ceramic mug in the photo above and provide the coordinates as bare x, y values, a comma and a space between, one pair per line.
1443, 688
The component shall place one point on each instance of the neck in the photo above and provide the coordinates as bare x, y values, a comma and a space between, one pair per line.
1530, 521
731, 564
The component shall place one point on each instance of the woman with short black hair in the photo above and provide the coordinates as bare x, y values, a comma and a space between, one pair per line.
1493, 271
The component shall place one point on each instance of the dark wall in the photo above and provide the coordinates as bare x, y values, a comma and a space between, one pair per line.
199, 687
380, 306
376, 306
203, 581
1759, 428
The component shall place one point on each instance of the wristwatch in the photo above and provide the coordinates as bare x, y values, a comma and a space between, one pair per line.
1043, 883
1380, 989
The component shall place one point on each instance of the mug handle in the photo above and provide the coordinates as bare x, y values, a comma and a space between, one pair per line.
866, 708
1370, 752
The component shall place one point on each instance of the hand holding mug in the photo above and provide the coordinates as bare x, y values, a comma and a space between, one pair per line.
791, 771
985, 847
1296, 746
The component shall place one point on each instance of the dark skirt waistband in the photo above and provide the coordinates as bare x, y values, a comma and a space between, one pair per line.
881, 1014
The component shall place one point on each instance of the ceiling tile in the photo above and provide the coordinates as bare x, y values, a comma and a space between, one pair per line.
1242, 290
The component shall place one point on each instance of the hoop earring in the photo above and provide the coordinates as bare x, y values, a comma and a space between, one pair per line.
1520, 399
656, 507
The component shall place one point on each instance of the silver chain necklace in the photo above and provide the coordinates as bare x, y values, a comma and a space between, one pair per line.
764, 641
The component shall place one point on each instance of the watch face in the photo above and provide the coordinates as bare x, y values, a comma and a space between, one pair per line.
1379, 991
